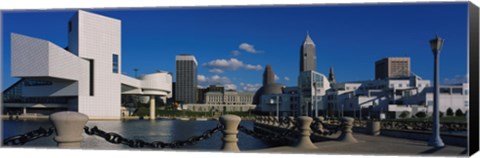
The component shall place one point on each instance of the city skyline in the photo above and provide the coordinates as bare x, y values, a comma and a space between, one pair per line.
238, 58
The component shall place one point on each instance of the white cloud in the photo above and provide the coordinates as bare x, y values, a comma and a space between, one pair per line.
456, 80
232, 64
248, 48
201, 78
250, 87
205, 81
253, 67
216, 71
230, 86
235, 52
286, 78
276, 77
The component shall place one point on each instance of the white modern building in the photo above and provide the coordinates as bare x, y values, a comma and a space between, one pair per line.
84, 77
312, 91
392, 96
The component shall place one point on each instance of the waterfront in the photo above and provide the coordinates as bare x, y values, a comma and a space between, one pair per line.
159, 130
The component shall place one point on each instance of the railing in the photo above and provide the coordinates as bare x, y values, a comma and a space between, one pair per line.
69, 127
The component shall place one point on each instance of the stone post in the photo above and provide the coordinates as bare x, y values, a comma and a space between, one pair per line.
346, 135
69, 128
320, 120
152, 108
230, 122
373, 127
304, 127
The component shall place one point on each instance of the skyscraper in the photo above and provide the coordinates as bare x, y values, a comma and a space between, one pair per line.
398, 67
186, 79
308, 55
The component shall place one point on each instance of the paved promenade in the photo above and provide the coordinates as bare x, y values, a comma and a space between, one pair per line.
372, 145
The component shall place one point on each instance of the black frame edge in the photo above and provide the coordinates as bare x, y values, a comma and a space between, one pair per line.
473, 31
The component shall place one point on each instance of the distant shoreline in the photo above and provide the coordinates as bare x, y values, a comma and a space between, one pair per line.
46, 117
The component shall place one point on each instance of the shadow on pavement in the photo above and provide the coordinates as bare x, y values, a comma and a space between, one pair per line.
432, 150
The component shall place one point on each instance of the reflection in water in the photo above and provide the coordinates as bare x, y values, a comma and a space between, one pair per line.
159, 130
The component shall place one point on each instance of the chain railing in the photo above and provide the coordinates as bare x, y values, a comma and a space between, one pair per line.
28, 137
272, 138
115, 138
321, 128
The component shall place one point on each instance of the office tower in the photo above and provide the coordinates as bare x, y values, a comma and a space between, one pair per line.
186, 79
308, 56
393, 67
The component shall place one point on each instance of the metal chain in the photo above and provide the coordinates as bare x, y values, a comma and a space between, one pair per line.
329, 131
277, 138
115, 138
28, 137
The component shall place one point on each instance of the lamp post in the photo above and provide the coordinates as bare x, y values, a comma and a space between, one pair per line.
435, 139
272, 101
315, 85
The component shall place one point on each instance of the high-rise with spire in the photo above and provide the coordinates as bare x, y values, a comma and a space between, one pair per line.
331, 76
308, 55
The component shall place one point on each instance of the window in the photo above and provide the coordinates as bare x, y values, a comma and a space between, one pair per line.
31, 83
91, 79
400, 85
115, 63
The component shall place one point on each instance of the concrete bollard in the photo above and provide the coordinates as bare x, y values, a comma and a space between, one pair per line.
320, 120
373, 127
304, 142
69, 128
346, 135
230, 122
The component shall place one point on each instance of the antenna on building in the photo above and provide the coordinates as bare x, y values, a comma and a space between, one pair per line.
136, 70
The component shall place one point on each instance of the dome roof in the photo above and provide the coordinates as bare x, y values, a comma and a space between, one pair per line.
273, 88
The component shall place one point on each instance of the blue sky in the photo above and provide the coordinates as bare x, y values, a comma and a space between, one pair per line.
234, 44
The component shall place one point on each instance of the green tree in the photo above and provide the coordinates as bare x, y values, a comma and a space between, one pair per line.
421, 114
449, 112
459, 112
404, 114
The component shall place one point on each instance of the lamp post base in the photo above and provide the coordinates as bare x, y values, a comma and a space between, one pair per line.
436, 142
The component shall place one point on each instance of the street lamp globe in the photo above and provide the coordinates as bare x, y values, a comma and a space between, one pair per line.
436, 44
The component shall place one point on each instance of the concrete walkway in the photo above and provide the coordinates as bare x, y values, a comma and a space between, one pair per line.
372, 145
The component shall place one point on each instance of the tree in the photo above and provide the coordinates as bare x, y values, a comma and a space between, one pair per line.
459, 112
421, 114
449, 112
404, 114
